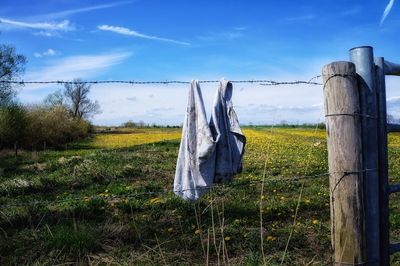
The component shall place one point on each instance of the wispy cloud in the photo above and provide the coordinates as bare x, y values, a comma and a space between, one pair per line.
47, 33
301, 18
64, 25
80, 66
49, 52
240, 28
387, 11
351, 11
70, 12
129, 32
236, 33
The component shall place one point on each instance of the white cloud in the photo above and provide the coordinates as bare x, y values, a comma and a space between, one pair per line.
47, 33
129, 32
49, 52
387, 11
68, 68
64, 25
83, 9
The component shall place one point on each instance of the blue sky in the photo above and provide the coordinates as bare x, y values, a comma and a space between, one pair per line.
184, 40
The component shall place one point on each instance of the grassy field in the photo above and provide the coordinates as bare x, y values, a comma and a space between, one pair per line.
107, 200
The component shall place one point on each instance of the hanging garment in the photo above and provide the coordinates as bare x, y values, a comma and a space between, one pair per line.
209, 152
195, 168
230, 140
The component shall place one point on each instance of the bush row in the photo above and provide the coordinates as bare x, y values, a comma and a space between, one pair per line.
38, 126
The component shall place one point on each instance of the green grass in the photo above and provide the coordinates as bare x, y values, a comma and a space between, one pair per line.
92, 206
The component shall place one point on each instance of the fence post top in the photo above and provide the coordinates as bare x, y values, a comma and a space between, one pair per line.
339, 67
362, 47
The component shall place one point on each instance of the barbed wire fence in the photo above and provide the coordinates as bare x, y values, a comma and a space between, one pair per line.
262, 82
238, 183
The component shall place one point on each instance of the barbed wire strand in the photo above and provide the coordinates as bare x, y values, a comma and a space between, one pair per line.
262, 82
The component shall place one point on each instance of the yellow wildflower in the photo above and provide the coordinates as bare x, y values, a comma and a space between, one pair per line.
155, 200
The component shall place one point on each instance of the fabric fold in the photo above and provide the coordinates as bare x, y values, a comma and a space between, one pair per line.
195, 167
209, 152
230, 139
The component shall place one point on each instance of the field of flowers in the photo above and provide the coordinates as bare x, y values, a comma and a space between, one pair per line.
141, 136
107, 200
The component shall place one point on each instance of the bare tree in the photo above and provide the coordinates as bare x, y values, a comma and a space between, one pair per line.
54, 99
11, 67
77, 96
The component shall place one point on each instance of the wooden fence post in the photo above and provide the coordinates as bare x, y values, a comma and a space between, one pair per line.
343, 127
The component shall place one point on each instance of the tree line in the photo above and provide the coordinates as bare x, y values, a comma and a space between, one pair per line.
62, 117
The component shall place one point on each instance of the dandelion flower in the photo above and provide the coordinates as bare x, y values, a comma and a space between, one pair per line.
155, 200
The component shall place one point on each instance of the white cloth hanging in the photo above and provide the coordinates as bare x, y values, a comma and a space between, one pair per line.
209, 152
195, 166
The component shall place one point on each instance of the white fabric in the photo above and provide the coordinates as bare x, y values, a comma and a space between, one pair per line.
209, 152
195, 165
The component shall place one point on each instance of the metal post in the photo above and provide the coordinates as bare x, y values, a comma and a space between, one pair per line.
383, 162
391, 68
363, 59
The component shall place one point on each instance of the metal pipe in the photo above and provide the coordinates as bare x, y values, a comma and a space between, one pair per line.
395, 247
393, 128
391, 68
363, 58
383, 162
394, 188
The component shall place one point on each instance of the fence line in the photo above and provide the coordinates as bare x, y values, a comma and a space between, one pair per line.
164, 192
262, 82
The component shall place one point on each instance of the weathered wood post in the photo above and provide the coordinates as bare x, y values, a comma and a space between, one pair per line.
343, 127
